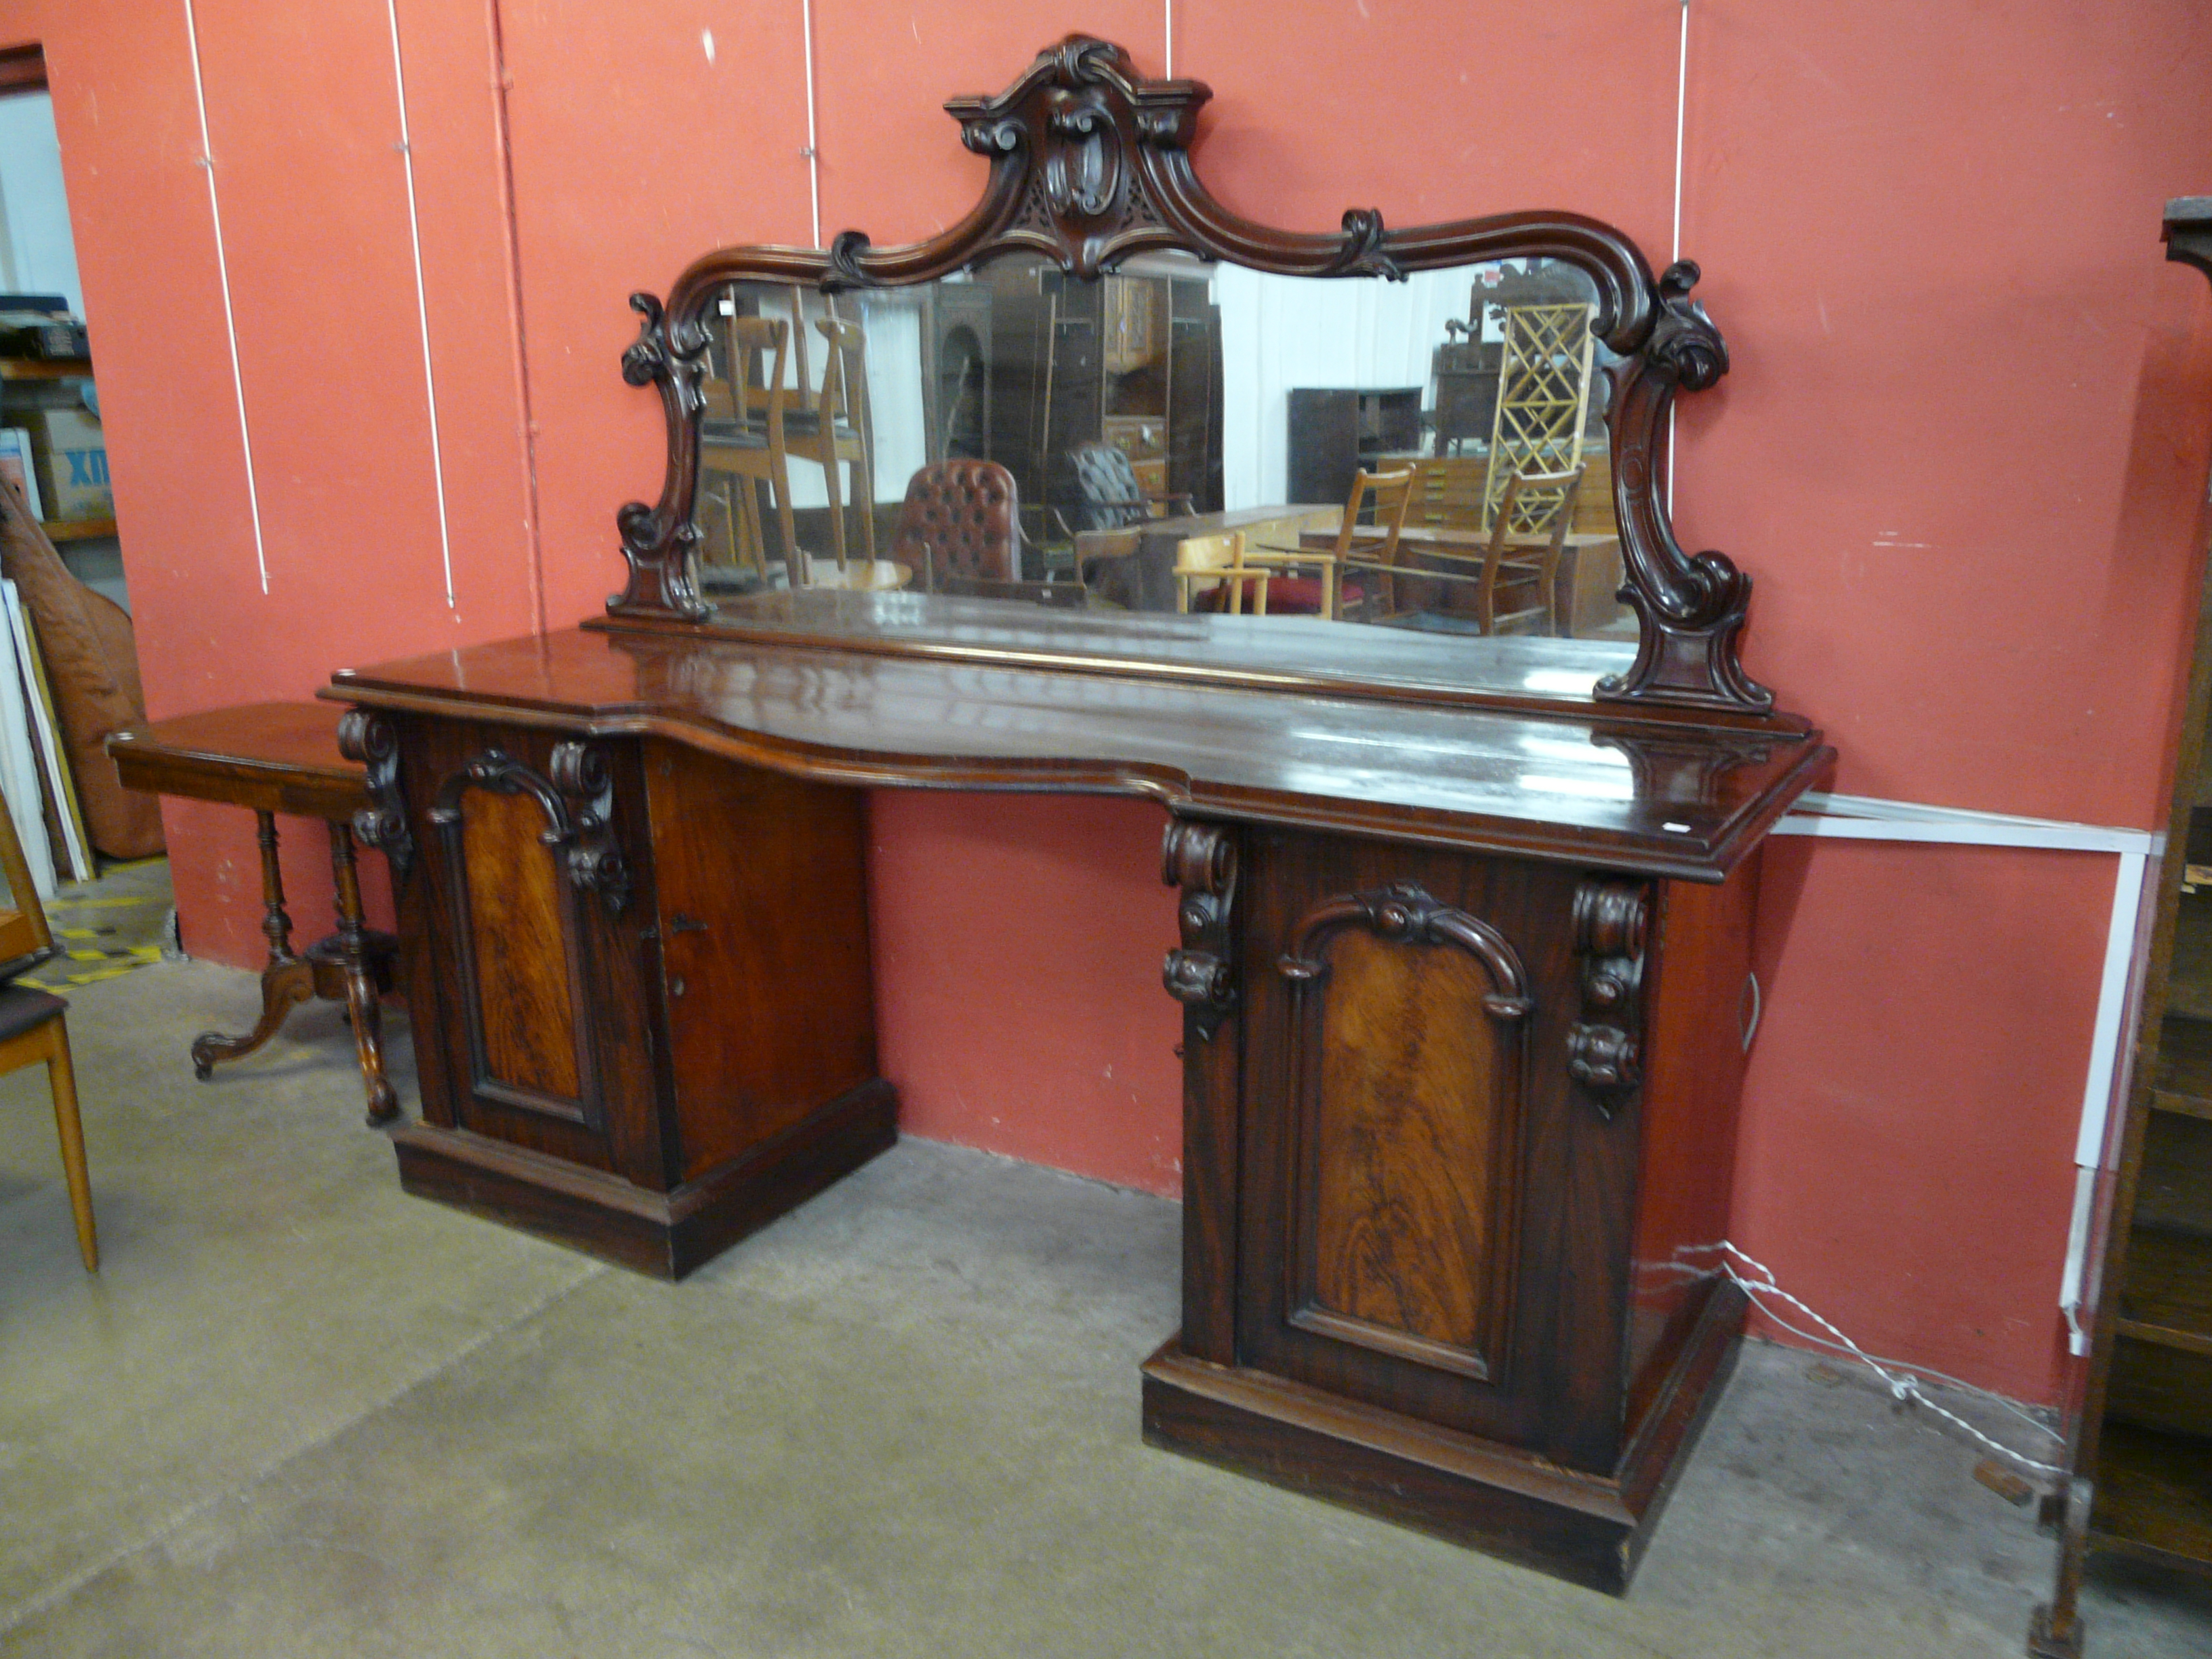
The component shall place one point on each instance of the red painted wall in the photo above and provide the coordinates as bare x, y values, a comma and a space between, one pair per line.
1962, 449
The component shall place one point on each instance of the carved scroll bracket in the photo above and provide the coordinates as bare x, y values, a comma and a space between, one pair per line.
1200, 859
1605, 1048
596, 863
368, 736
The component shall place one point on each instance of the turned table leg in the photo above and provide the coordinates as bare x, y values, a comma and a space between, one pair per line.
361, 988
287, 981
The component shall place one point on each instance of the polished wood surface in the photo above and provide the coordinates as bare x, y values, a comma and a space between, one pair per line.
270, 758
1660, 800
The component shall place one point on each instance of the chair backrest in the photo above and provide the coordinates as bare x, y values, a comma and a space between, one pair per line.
844, 397
25, 939
1545, 500
1107, 492
1386, 497
1537, 504
757, 347
960, 519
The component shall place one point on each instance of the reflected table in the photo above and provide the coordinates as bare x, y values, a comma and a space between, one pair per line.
274, 757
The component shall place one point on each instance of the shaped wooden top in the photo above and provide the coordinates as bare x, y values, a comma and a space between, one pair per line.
1569, 784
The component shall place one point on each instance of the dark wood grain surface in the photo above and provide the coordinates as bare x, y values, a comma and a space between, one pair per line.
1571, 786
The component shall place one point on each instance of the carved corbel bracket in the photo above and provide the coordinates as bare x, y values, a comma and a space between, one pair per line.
596, 863
1605, 1047
1200, 859
368, 736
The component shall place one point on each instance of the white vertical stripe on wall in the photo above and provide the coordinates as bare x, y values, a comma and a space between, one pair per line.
421, 302
222, 278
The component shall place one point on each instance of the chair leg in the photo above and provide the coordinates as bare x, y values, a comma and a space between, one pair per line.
61, 1076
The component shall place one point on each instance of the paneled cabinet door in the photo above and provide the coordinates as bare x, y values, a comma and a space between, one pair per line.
1434, 1204
528, 888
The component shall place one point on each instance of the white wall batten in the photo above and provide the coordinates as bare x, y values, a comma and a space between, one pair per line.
1865, 818
222, 280
422, 303
813, 153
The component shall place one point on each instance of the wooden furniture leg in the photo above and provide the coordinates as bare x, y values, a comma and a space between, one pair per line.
361, 979
48, 1041
61, 1079
286, 981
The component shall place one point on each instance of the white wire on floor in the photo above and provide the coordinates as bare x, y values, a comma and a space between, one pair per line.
1903, 1385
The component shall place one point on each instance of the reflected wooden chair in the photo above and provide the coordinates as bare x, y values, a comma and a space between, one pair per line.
741, 440
1512, 579
34, 1025
835, 429
1369, 538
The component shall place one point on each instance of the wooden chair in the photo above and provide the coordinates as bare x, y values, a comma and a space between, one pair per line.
34, 1025
1384, 498
835, 429
1513, 571
742, 438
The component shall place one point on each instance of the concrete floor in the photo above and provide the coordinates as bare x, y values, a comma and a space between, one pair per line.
299, 1414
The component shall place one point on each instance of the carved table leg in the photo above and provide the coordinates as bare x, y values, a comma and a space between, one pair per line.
285, 981
361, 986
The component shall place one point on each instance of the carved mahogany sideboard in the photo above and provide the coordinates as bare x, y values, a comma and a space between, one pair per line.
1465, 922
1464, 995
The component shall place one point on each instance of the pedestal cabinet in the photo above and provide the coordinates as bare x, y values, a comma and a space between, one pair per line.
1450, 1119
640, 977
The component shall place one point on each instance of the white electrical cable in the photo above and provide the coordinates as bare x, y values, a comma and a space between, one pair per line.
421, 304
222, 279
1903, 1385
1167, 34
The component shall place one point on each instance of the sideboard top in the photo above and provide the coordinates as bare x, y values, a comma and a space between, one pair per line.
1684, 801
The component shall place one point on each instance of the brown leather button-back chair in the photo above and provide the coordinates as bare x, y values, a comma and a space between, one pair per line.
957, 525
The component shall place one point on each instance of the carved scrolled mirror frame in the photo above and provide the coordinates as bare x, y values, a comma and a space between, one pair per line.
1090, 164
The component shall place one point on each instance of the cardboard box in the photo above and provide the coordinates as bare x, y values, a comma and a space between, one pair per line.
72, 463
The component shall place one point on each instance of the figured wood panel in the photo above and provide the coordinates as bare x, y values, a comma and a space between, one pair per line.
524, 997
763, 900
1552, 1381
1406, 1132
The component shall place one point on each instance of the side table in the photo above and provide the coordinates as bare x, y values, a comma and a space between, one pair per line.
280, 758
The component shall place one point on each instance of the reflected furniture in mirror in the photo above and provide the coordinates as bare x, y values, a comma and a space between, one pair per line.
1464, 916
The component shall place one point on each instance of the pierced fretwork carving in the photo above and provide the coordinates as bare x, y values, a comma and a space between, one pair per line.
1200, 859
1605, 1048
368, 737
1405, 912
